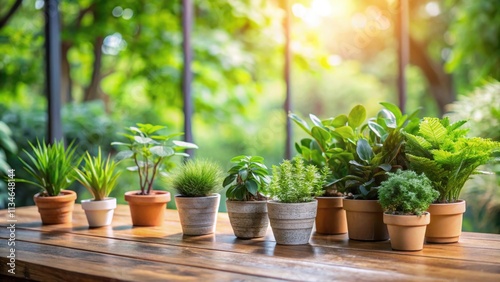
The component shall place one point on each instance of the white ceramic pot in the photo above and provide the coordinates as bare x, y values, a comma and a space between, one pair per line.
99, 213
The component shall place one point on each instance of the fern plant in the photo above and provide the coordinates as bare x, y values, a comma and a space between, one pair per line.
98, 175
51, 167
296, 182
442, 151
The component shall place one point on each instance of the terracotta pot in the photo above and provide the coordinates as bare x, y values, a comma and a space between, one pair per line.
99, 213
198, 215
292, 223
147, 210
56, 209
407, 232
248, 218
446, 222
330, 217
365, 221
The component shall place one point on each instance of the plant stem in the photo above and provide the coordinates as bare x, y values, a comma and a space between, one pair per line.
154, 174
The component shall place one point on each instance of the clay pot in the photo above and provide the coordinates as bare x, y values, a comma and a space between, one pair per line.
198, 215
99, 213
147, 210
407, 232
330, 217
365, 221
292, 223
56, 209
248, 218
446, 222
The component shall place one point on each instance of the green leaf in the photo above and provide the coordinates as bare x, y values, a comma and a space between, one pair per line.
388, 117
143, 140
120, 144
237, 159
162, 151
321, 135
124, 155
339, 121
301, 123
346, 132
252, 187
357, 116
185, 145
228, 180
393, 109
377, 129
364, 150
316, 120
243, 174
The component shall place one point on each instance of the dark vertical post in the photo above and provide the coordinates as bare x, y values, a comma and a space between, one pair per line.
187, 76
403, 51
287, 72
53, 69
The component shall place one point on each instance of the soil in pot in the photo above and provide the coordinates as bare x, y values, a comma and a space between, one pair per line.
56, 209
198, 215
248, 219
147, 210
99, 213
331, 216
292, 223
407, 232
446, 222
365, 221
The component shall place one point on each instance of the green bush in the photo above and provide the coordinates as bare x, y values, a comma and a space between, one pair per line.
406, 192
197, 178
296, 182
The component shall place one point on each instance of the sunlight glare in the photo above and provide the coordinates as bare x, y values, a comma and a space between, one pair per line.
432, 8
321, 8
334, 60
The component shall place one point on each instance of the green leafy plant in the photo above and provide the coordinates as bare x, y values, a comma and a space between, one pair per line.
442, 151
296, 182
197, 178
151, 152
406, 192
52, 166
98, 175
246, 179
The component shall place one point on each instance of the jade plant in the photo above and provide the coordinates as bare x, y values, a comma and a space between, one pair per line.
51, 166
246, 179
406, 193
151, 152
197, 178
296, 182
98, 175
442, 151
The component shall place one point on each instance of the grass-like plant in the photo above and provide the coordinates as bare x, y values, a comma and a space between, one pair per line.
296, 182
406, 193
448, 158
52, 166
197, 178
98, 175
246, 179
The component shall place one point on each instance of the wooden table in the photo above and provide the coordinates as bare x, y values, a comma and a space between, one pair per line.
74, 252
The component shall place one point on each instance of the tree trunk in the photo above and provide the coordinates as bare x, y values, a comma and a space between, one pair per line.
66, 82
94, 91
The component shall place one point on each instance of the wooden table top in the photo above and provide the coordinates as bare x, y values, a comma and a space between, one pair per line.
73, 252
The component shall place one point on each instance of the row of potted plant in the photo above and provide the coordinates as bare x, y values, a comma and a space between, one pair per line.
347, 160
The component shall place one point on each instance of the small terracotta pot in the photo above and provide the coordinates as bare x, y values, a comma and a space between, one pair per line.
198, 215
99, 213
56, 209
446, 222
248, 218
292, 223
407, 232
147, 210
330, 217
365, 221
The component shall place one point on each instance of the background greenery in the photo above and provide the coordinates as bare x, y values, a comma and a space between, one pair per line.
122, 60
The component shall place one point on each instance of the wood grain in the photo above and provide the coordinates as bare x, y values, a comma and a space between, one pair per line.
163, 253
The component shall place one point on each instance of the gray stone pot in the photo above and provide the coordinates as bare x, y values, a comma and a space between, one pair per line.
248, 218
292, 223
198, 215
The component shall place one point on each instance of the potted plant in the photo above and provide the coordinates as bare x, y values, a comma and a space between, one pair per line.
293, 209
151, 153
246, 205
99, 176
379, 149
197, 183
405, 197
442, 151
51, 167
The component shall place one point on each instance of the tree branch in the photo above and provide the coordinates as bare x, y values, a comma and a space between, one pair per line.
13, 9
